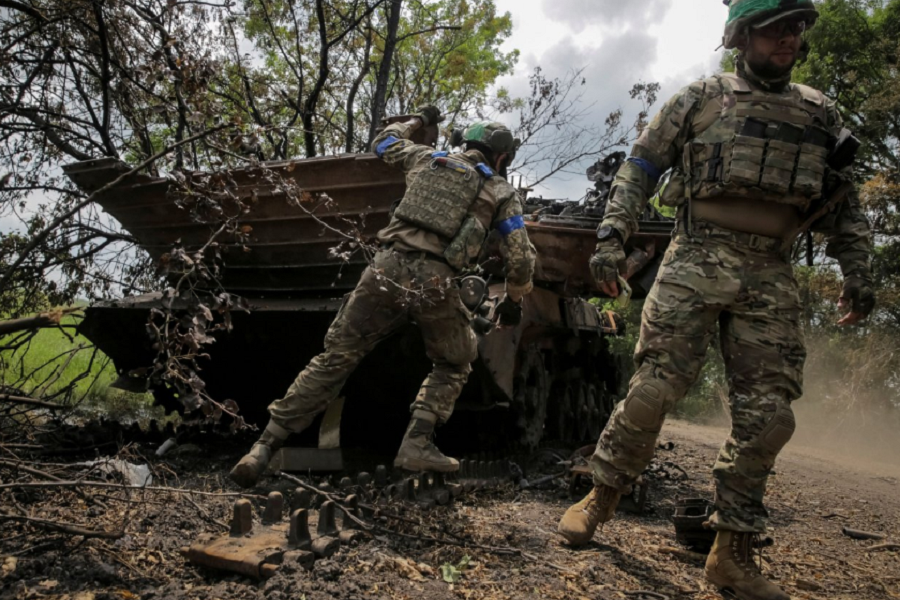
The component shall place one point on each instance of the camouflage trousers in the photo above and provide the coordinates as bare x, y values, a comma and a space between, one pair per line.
396, 289
715, 278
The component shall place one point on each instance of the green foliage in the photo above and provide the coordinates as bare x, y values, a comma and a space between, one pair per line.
451, 67
59, 362
854, 54
453, 573
447, 53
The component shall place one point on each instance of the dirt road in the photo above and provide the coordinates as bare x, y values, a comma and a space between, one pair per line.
814, 493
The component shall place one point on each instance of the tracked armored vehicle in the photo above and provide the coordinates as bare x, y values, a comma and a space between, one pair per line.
551, 377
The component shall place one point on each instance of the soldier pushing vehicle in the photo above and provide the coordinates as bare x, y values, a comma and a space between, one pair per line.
452, 201
755, 160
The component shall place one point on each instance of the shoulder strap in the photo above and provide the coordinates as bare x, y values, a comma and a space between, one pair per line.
738, 84
810, 94
815, 97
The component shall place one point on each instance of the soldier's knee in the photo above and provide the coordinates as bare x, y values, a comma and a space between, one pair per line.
778, 431
647, 403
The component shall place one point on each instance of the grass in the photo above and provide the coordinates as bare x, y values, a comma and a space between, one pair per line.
55, 360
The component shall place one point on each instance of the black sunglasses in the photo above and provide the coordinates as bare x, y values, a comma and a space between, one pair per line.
780, 29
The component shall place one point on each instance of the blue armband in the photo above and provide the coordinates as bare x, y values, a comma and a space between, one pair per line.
507, 226
647, 167
381, 148
485, 170
441, 154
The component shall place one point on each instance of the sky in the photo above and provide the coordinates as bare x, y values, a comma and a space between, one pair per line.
618, 43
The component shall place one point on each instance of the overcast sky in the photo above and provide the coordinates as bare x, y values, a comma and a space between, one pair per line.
618, 43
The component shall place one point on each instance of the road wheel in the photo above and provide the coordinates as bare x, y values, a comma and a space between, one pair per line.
531, 393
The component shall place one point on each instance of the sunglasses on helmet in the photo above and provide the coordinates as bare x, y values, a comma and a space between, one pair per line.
780, 29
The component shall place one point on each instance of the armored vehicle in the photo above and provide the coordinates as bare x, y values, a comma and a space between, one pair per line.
552, 377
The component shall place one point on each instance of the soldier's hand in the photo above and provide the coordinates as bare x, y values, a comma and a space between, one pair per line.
857, 296
509, 313
605, 264
430, 115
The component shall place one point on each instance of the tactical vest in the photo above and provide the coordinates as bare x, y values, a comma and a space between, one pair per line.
439, 198
765, 146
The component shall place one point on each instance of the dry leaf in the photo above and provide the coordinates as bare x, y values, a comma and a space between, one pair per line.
9, 565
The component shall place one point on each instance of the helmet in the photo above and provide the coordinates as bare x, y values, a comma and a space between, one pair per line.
758, 13
493, 135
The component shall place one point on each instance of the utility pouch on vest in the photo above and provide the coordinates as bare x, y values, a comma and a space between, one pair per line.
746, 159
810, 170
747, 151
438, 199
781, 159
465, 247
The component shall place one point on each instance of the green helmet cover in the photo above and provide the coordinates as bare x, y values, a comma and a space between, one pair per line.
746, 13
495, 136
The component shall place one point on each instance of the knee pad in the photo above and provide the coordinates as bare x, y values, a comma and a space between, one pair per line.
779, 430
648, 402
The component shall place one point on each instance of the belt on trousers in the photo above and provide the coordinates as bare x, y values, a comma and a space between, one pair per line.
414, 254
707, 230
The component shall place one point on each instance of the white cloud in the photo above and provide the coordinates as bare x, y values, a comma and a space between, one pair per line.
618, 43
608, 14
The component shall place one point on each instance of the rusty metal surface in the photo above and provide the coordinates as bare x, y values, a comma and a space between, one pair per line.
258, 550
258, 547
289, 250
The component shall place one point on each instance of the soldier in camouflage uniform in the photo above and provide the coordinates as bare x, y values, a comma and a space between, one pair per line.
451, 203
749, 156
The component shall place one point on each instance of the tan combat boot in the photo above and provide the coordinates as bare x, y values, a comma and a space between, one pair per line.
418, 452
730, 566
249, 469
579, 523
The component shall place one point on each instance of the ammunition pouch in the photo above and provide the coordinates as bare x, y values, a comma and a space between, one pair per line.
465, 247
773, 148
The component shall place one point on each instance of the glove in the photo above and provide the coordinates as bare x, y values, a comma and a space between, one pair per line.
430, 115
509, 313
606, 260
858, 293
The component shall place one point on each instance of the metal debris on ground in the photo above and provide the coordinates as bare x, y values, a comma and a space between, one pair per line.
690, 518
259, 550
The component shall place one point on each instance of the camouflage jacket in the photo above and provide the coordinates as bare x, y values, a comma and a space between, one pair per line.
693, 110
496, 207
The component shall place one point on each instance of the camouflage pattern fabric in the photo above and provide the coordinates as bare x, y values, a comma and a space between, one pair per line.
743, 285
717, 277
438, 199
694, 117
497, 203
411, 282
396, 289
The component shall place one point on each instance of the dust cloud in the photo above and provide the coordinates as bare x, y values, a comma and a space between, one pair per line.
841, 419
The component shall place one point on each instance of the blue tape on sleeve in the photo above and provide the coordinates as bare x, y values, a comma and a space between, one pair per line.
441, 154
485, 170
507, 226
381, 148
647, 167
